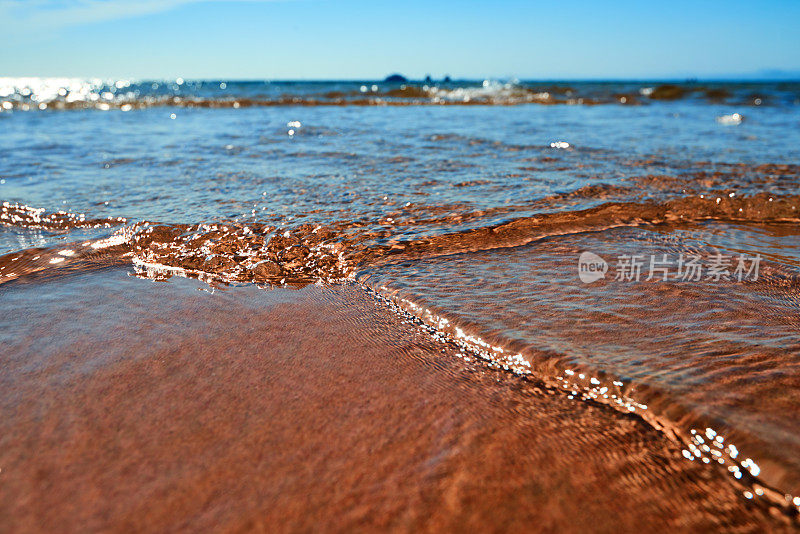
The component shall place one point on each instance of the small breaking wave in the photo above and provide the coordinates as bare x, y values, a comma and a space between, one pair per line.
255, 252
27, 217
695, 435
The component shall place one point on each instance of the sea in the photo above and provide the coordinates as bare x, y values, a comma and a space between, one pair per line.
486, 304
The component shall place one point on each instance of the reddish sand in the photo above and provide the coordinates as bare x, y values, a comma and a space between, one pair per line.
129, 405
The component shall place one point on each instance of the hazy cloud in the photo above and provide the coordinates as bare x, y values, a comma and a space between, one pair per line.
22, 15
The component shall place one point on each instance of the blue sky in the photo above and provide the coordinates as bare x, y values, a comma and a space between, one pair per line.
355, 39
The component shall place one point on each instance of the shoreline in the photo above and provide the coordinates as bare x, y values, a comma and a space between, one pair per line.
141, 403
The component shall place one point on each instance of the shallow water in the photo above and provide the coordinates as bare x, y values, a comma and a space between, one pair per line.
470, 218
316, 408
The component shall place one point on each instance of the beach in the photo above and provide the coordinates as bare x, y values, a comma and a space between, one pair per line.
139, 405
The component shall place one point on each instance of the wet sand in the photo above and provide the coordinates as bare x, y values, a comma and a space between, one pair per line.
699, 355
132, 405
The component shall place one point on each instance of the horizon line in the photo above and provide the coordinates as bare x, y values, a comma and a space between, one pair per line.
791, 77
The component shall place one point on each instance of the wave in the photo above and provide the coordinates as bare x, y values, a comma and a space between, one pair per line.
124, 94
256, 252
12, 214
461, 97
701, 438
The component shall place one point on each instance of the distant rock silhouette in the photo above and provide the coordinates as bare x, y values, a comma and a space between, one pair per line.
447, 79
396, 78
428, 79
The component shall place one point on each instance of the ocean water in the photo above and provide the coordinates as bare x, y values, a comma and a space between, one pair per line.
464, 207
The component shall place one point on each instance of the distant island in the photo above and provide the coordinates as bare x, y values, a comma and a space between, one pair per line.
399, 78
395, 78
